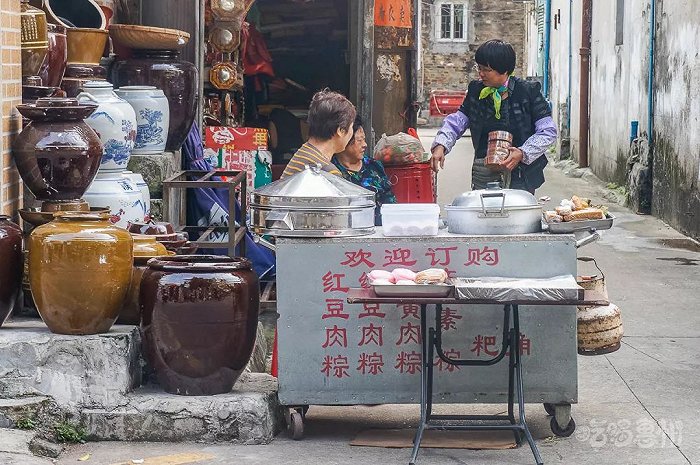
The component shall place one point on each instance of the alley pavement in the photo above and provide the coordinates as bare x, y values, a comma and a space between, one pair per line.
637, 406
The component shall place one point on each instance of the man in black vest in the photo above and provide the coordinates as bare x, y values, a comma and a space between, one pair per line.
499, 101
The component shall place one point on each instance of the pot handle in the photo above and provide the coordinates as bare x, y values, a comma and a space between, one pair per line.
87, 96
594, 236
500, 212
591, 259
279, 216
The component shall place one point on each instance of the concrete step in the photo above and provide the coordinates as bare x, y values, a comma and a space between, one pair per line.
76, 371
250, 414
14, 411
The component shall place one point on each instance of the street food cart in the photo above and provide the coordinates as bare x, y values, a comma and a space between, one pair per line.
340, 345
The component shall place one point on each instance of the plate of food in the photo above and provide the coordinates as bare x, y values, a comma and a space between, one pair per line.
403, 282
577, 214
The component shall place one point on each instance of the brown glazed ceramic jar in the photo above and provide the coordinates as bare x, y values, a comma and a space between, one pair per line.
54, 65
10, 265
199, 319
178, 79
79, 272
57, 153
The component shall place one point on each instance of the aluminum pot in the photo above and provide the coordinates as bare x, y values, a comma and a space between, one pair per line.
313, 203
494, 211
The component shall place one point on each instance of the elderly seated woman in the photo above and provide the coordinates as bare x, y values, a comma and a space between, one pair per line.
361, 169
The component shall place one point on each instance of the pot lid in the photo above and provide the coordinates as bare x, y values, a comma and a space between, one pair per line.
494, 197
313, 188
53, 102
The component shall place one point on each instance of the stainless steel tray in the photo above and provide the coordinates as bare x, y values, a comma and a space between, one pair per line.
568, 227
417, 290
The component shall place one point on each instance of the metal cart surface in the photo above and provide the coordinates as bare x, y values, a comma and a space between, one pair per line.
334, 353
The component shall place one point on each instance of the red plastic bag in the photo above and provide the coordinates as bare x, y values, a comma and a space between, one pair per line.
400, 149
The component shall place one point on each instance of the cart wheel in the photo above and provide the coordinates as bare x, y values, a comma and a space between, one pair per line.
565, 432
295, 428
549, 408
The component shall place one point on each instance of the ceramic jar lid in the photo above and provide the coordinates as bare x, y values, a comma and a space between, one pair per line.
56, 108
147, 246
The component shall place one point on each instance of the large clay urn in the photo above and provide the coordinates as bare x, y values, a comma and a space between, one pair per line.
199, 316
177, 78
10, 265
57, 153
79, 272
54, 65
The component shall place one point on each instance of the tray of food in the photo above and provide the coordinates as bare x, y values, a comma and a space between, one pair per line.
558, 288
577, 214
402, 282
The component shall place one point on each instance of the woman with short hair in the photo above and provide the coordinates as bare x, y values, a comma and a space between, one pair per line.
358, 167
499, 101
331, 116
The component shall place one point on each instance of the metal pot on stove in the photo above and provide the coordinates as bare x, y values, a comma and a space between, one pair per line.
312, 203
494, 211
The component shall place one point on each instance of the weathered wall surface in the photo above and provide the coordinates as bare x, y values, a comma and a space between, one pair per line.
619, 95
449, 65
676, 196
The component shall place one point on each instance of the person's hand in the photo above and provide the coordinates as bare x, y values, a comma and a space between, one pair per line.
515, 156
438, 159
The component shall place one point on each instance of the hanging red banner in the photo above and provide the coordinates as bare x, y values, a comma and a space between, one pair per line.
393, 13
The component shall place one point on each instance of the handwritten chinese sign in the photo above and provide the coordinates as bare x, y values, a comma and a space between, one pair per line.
393, 13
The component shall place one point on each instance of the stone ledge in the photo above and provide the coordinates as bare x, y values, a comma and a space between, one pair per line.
76, 371
250, 414
155, 169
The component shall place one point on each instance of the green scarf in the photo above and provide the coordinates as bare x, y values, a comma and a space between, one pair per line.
497, 99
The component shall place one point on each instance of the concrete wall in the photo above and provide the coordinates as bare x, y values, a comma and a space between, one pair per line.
449, 65
676, 196
618, 95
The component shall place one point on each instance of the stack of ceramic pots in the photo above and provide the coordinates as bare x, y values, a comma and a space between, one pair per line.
80, 269
164, 233
156, 62
10, 265
115, 123
86, 38
199, 316
57, 154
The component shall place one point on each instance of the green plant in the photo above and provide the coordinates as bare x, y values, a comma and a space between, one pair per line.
26, 423
68, 432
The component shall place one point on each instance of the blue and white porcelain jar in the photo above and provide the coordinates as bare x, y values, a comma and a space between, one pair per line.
120, 194
114, 121
140, 183
152, 117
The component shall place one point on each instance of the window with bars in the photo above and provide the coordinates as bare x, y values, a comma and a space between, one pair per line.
451, 21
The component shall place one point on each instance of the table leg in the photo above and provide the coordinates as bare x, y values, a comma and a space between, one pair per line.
423, 385
515, 349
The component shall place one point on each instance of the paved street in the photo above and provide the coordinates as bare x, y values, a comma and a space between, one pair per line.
637, 406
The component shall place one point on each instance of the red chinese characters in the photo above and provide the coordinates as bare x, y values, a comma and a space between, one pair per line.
337, 366
408, 362
332, 282
372, 335
357, 258
486, 256
440, 256
370, 364
336, 336
409, 333
489, 345
398, 257
371, 310
335, 309
443, 365
449, 319
410, 311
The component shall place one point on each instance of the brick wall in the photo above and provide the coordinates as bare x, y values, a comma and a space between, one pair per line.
10, 96
449, 65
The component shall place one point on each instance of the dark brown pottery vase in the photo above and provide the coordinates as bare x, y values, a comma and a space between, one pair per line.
79, 270
178, 79
77, 75
10, 265
54, 65
57, 153
199, 316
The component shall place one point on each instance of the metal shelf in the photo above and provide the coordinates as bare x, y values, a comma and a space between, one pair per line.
206, 235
